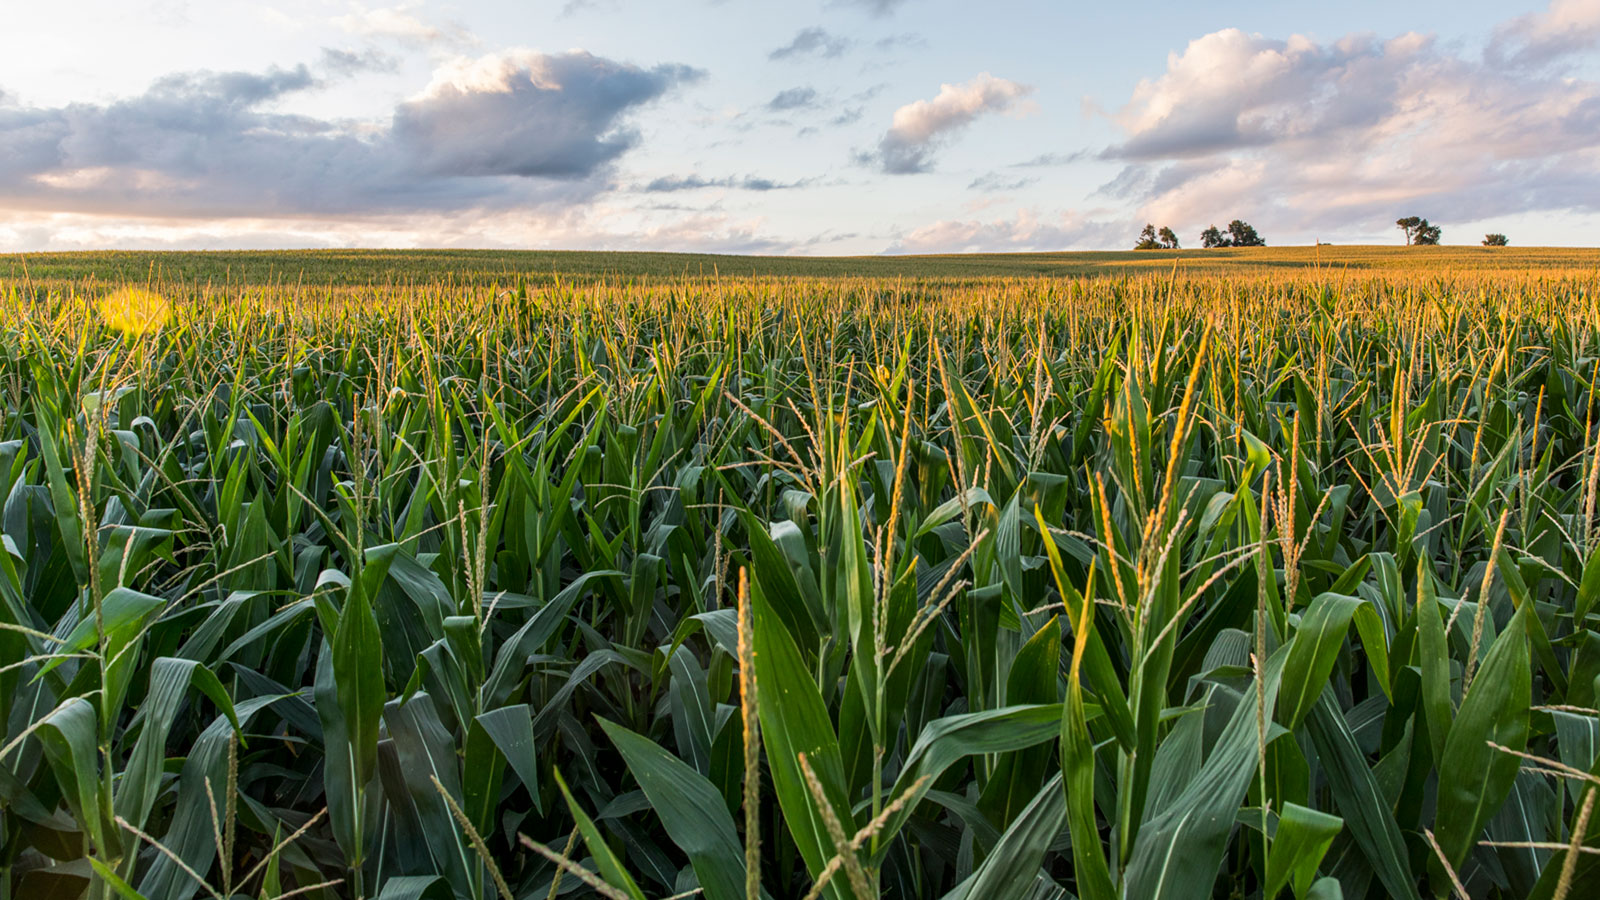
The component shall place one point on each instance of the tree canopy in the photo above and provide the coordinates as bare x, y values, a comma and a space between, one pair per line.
1239, 234
1418, 231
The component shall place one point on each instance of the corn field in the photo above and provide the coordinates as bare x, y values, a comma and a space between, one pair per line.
1153, 587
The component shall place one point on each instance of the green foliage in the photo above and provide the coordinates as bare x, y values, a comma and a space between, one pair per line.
1158, 586
1420, 232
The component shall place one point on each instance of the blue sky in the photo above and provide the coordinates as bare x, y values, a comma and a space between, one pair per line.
832, 127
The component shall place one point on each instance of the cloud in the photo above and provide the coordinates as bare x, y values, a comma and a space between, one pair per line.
1026, 231
573, 228
879, 8
528, 114
1566, 27
1312, 137
573, 7
511, 129
1044, 160
996, 182
793, 98
397, 23
812, 42
352, 62
920, 128
896, 41
670, 183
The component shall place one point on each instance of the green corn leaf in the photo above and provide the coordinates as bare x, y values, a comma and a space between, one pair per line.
610, 867
1495, 709
691, 811
1012, 866
1301, 840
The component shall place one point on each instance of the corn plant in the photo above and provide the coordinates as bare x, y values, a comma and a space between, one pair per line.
1175, 586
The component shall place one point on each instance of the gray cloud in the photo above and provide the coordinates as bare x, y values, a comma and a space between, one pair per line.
573, 7
920, 128
793, 98
1048, 159
518, 128
812, 41
341, 62
878, 8
896, 41
671, 183
994, 182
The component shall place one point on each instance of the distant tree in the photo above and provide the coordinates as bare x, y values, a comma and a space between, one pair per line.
1147, 239
1495, 240
1168, 239
1241, 234
1418, 231
1212, 237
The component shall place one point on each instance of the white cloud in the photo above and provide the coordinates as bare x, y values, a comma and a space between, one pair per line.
398, 23
1311, 137
919, 128
1568, 26
1025, 231
600, 228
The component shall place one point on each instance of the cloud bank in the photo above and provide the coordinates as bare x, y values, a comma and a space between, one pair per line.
1349, 134
508, 129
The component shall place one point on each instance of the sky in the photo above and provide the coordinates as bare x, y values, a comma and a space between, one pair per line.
818, 127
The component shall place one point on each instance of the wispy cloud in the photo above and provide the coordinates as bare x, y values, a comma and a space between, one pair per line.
343, 62
812, 41
1026, 230
792, 99
672, 183
1048, 159
1565, 28
401, 24
995, 182
879, 8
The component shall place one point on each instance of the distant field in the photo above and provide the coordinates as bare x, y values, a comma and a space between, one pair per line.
479, 267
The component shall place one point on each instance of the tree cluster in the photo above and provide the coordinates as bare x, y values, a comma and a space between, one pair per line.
1239, 234
1150, 239
1495, 240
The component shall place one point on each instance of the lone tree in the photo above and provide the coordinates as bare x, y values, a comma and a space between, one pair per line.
1147, 239
1212, 237
1495, 240
1168, 239
1418, 231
